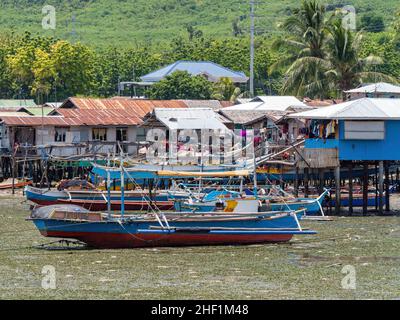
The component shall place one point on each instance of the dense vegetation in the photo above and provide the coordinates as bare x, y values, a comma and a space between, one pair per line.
127, 22
113, 44
325, 54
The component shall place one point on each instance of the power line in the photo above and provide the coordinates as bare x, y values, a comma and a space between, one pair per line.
252, 29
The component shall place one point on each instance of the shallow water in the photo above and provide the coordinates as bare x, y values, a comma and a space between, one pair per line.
310, 267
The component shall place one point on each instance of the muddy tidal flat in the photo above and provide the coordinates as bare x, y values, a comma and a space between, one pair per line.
350, 258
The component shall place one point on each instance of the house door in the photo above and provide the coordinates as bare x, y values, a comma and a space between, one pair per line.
25, 137
122, 137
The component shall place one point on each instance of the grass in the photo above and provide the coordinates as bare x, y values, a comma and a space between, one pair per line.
310, 267
125, 22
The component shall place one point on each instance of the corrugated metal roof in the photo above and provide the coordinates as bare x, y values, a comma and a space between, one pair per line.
321, 103
211, 69
248, 117
13, 114
270, 103
16, 103
213, 104
380, 87
100, 117
197, 118
37, 111
362, 109
53, 105
36, 121
140, 107
115, 111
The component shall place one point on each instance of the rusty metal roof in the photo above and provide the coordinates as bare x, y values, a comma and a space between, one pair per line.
115, 111
100, 117
140, 107
36, 121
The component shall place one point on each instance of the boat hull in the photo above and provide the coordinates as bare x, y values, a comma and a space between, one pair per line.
98, 205
95, 200
184, 232
143, 240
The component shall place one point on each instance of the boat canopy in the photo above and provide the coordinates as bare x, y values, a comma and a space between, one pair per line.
237, 173
115, 173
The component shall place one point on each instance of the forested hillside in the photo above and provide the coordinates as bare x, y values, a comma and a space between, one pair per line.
123, 22
119, 40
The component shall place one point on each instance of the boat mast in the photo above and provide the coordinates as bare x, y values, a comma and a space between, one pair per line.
255, 171
122, 185
108, 187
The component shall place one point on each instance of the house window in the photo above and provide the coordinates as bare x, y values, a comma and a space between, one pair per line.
364, 130
122, 134
141, 134
60, 134
99, 134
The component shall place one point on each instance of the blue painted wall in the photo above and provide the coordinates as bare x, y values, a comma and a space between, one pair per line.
387, 149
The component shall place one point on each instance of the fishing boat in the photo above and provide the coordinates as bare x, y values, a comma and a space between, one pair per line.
239, 223
104, 231
219, 200
115, 205
312, 206
47, 197
8, 184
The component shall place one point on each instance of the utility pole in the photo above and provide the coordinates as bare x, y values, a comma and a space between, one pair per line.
252, 28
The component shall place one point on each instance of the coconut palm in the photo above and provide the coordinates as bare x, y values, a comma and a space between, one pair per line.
327, 57
305, 47
226, 90
343, 68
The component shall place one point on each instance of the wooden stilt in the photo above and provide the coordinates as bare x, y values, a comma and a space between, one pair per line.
365, 189
296, 182
387, 191
306, 181
337, 187
381, 190
321, 181
351, 189
377, 186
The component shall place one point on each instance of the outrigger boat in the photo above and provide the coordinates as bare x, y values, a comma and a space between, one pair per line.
8, 184
96, 200
105, 230
218, 200
312, 206
101, 230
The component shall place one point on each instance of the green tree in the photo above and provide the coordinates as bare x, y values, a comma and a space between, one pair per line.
343, 67
372, 23
329, 57
181, 85
304, 48
43, 74
225, 90
74, 66
6, 89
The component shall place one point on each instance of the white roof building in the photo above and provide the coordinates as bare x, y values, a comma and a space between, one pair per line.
361, 109
271, 103
375, 90
187, 118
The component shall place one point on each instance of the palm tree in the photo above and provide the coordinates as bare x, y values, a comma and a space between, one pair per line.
327, 57
225, 90
343, 68
307, 27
